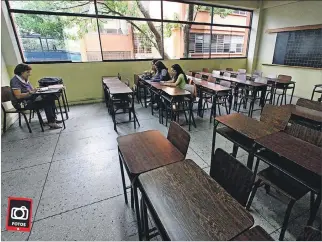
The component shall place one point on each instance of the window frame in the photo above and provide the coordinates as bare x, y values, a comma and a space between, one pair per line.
98, 16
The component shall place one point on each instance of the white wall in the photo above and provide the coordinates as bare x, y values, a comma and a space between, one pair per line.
288, 15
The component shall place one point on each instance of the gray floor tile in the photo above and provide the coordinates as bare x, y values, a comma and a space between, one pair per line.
196, 158
88, 141
13, 236
79, 181
27, 152
259, 220
207, 169
15, 132
296, 227
273, 207
26, 182
106, 220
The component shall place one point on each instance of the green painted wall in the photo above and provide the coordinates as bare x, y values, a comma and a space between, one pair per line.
288, 15
83, 80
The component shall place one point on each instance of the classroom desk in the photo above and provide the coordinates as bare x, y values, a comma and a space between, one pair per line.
212, 89
142, 152
242, 131
319, 90
56, 92
296, 158
276, 83
188, 205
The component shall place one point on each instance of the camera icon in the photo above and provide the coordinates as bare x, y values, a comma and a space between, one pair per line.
21, 213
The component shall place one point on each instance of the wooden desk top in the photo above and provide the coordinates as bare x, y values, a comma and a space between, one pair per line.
304, 112
49, 91
191, 205
156, 85
246, 126
110, 79
235, 80
122, 89
147, 150
302, 153
213, 87
175, 91
278, 81
57, 86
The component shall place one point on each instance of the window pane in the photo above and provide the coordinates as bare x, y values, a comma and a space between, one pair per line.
123, 39
138, 9
231, 17
57, 38
67, 6
180, 11
229, 42
183, 42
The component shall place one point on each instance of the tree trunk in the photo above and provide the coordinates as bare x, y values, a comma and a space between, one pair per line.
158, 37
186, 31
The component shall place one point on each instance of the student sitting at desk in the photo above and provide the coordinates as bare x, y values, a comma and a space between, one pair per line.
180, 80
162, 72
23, 90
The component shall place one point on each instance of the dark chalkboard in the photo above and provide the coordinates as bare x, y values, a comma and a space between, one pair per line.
299, 48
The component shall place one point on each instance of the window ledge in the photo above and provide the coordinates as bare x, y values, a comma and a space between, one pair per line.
303, 67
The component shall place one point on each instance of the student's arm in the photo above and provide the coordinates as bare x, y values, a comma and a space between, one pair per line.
172, 83
19, 95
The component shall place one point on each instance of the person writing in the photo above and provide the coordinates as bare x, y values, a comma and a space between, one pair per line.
23, 90
179, 80
162, 72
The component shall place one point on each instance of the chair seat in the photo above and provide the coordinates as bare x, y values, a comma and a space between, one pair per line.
256, 233
285, 184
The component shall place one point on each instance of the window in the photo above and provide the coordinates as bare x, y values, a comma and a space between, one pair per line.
81, 31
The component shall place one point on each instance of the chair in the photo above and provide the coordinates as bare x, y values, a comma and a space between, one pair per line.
309, 104
229, 69
232, 175
275, 116
138, 88
127, 82
319, 90
294, 190
241, 71
189, 73
226, 74
310, 234
216, 73
179, 137
256, 233
257, 73
6, 96
205, 70
241, 76
197, 75
284, 87
211, 79
119, 76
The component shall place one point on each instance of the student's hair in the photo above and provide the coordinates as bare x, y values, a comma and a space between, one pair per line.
160, 66
154, 61
179, 71
21, 68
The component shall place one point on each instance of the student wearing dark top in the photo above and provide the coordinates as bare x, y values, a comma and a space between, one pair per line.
162, 72
23, 90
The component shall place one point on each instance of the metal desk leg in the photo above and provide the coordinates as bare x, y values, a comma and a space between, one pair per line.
214, 138
200, 106
214, 107
145, 102
293, 93
313, 93
64, 103
61, 113
250, 160
123, 178
314, 209
64, 91
137, 207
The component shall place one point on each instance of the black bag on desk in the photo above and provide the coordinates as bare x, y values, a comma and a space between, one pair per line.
47, 81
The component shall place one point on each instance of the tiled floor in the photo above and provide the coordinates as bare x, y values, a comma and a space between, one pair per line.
73, 177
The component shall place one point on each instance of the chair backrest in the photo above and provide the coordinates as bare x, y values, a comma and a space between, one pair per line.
217, 73
284, 78
211, 79
241, 71
225, 83
229, 69
6, 94
127, 82
179, 137
136, 79
232, 175
197, 75
119, 76
310, 234
309, 104
275, 116
226, 74
189, 73
304, 133
271, 76
241, 77
205, 70
257, 73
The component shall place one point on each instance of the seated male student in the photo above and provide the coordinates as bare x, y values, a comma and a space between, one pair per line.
23, 90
